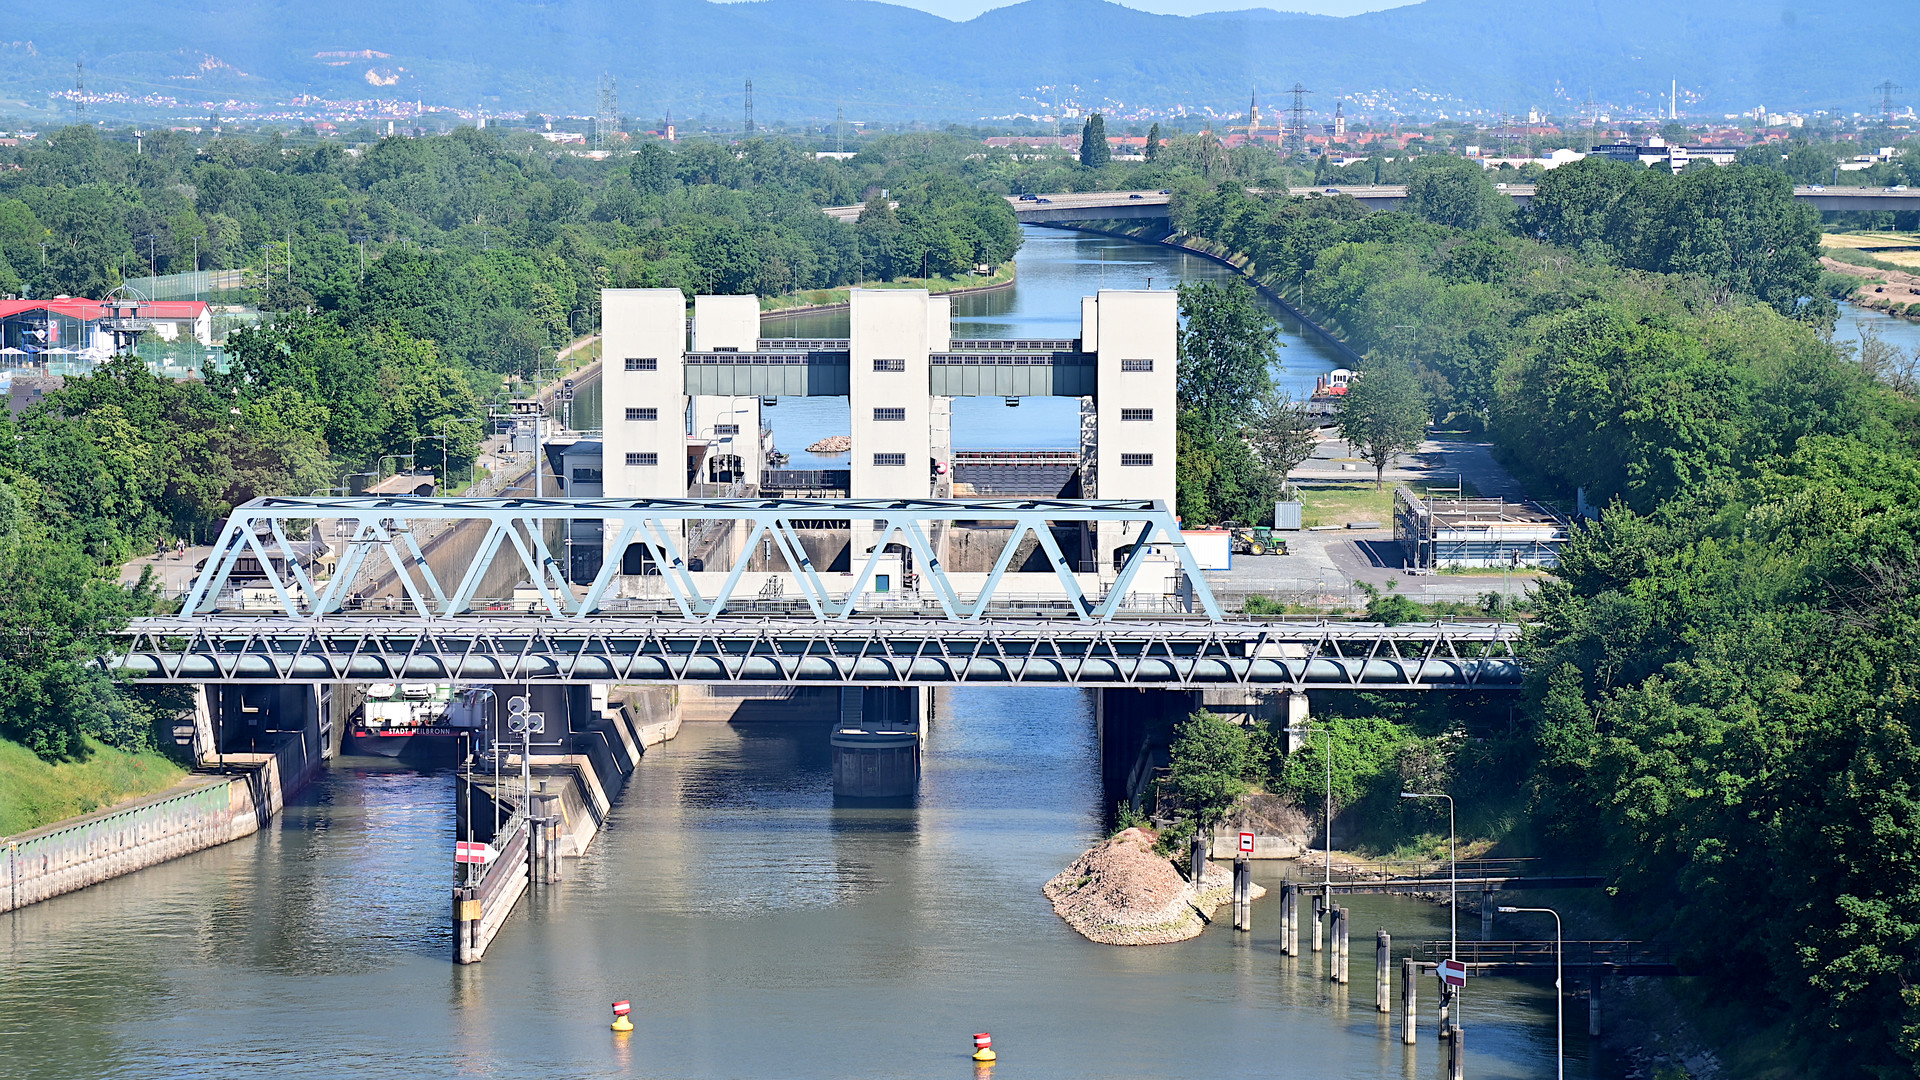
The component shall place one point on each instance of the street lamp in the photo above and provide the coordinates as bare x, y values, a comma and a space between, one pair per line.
1328, 732
446, 424
381, 465
1559, 992
1453, 869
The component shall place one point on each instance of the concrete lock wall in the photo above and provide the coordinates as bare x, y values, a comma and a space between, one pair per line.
876, 743
211, 809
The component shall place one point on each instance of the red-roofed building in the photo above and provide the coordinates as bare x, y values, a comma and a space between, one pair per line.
34, 331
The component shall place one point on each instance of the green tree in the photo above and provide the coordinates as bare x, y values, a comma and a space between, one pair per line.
1212, 762
1153, 143
1229, 346
1456, 192
1094, 151
1384, 413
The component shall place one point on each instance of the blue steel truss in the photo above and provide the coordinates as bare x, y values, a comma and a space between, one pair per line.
1291, 655
384, 530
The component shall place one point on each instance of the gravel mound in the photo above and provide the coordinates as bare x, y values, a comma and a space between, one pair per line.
1121, 893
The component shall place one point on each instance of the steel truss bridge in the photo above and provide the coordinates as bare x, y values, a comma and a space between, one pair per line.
1094, 631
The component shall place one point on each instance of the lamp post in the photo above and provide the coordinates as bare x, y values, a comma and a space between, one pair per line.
1328, 733
380, 467
1453, 869
446, 425
1559, 992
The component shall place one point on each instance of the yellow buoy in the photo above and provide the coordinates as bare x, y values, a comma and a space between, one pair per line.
620, 1011
983, 1047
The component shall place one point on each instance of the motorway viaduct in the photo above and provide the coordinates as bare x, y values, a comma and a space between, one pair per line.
1143, 205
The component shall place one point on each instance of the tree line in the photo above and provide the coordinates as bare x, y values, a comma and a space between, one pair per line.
1721, 708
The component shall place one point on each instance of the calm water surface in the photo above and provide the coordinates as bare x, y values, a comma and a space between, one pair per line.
1057, 268
759, 930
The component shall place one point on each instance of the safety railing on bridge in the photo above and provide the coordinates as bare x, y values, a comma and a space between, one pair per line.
1508, 957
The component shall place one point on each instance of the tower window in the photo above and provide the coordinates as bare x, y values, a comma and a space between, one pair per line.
1136, 414
889, 459
1136, 459
889, 365
643, 414
643, 459
1136, 365
890, 414
643, 363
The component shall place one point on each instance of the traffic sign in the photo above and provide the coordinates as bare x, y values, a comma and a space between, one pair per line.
1452, 972
472, 851
1246, 843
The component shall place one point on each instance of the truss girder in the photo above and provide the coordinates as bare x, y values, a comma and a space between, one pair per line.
824, 651
383, 530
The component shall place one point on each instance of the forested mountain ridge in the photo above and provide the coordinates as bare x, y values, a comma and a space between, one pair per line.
809, 57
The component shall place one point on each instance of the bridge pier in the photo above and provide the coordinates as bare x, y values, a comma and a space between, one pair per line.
876, 744
1134, 726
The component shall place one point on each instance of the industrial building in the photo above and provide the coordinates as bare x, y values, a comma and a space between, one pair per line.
37, 332
682, 411
1455, 534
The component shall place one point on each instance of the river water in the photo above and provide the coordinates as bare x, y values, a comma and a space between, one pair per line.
759, 929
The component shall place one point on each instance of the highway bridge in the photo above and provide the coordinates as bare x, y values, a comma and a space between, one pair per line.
1141, 205
262, 613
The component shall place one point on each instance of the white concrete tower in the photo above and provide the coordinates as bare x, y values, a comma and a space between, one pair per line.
727, 428
643, 393
890, 333
1136, 336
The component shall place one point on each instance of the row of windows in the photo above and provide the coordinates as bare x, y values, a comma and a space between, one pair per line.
726, 429
889, 414
652, 363
643, 414
1136, 414
879, 460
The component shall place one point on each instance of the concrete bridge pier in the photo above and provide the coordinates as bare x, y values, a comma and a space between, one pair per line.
876, 742
1135, 727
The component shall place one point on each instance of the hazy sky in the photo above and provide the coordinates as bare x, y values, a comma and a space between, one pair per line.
967, 9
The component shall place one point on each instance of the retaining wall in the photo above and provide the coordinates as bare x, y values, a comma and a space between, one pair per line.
212, 809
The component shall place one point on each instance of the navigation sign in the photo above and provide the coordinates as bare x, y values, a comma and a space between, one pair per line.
1246, 843
472, 851
622, 1008
1452, 972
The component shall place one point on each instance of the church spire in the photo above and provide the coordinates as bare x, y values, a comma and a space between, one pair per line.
1253, 113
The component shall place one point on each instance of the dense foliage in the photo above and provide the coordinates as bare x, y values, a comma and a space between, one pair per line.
1723, 700
1238, 435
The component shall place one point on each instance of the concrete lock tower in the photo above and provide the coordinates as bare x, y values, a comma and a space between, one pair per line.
682, 419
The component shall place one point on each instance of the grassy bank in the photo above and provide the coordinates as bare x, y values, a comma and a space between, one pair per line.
35, 793
828, 297
1359, 500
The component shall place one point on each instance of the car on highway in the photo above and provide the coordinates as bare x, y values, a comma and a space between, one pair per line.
1166, 191
1029, 198
1817, 187
1331, 191
1136, 195
1043, 200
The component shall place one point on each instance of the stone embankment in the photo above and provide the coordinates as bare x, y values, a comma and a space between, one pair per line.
1121, 893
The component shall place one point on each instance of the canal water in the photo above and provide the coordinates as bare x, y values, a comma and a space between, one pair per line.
759, 930
1056, 269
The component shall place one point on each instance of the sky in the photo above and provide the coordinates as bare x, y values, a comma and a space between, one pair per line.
961, 10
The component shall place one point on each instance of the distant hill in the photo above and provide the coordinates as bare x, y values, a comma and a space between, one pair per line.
807, 57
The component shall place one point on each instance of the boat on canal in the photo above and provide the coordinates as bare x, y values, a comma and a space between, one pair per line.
415, 720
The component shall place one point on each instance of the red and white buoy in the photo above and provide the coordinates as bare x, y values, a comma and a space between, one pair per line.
983, 1047
620, 1011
